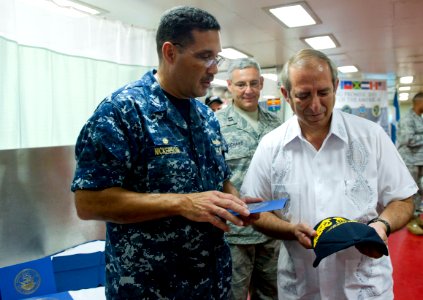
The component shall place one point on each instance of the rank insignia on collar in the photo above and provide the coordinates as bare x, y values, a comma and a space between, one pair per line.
216, 142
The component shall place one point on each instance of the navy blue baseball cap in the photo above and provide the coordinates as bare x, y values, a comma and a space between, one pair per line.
212, 99
337, 233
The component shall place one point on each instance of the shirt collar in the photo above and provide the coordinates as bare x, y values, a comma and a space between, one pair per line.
159, 103
337, 128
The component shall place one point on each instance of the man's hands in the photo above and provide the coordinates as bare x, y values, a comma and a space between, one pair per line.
304, 234
212, 207
251, 218
370, 249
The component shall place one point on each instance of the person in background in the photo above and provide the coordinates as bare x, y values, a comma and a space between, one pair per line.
410, 146
330, 163
150, 163
214, 102
243, 124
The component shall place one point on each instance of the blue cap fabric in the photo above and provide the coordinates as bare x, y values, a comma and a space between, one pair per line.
337, 233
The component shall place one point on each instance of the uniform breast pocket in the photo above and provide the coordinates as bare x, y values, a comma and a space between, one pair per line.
239, 147
219, 166
169, 169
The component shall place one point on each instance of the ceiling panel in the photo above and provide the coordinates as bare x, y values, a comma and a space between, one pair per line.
378, 36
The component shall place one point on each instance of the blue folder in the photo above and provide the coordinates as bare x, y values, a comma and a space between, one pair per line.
268, 205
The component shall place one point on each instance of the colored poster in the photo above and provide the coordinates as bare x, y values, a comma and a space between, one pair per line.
274, 104
368, 99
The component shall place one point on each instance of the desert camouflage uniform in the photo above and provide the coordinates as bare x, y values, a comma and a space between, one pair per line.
136, 139
242, 140
410, 146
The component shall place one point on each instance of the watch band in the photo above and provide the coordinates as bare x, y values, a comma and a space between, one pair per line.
377, 219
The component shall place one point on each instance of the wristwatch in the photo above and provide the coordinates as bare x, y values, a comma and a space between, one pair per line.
377, 219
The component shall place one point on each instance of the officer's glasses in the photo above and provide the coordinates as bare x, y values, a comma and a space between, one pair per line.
205, 57
242, 85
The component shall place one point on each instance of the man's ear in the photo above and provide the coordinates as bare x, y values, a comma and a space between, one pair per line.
229, 82
336, 86
169, 52
285, 94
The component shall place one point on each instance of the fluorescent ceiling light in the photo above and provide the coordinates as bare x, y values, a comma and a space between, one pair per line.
406, 79
403, 96
219, 82
347, 69
232, 53
269, 76
404, 88
294, 15
321, 42
79, 6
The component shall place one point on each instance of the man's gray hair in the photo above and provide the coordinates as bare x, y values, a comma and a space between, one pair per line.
242, 63
303, 57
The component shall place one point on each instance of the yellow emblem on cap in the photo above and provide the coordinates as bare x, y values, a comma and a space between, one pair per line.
216, 142
165, 141
328, 224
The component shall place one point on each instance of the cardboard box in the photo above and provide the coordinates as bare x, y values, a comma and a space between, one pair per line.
33, 278
55, 296
76, 268
80, 267
85, 294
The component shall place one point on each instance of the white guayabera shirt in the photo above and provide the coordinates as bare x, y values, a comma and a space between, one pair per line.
355, 174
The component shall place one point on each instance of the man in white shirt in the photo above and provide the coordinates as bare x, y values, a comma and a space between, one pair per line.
331, 164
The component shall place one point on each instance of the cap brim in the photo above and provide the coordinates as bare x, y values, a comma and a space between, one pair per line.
330, 249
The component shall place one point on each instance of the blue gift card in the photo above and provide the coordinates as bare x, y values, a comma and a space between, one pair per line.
268, 205
33, 278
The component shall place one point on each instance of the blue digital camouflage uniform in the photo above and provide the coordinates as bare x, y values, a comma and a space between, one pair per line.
136, 139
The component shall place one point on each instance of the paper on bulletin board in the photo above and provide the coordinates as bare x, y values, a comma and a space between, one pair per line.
367, 99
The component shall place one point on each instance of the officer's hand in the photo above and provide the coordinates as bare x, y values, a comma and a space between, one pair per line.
252, 217
212, 207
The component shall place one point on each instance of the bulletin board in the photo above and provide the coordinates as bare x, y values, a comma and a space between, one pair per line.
368, 99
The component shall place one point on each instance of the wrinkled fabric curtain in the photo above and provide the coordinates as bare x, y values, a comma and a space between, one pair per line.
55, 67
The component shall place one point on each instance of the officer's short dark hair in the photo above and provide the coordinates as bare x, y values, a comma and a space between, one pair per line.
176, 26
